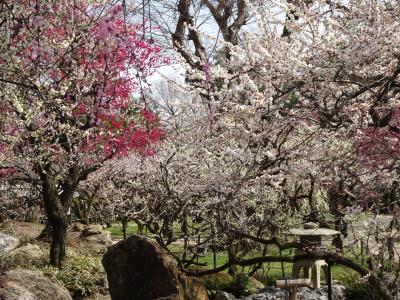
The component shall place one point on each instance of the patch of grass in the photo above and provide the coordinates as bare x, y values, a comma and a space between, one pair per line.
221, 258
116, 230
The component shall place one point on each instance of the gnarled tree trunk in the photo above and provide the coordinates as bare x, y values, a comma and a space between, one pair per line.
58, 221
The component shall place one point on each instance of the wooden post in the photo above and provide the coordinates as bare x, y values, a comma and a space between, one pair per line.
293, 294
362, 251
292, 285
198, 243
214, 257
282, 265
329, 281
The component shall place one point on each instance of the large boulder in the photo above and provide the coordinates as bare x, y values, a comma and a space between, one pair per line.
138, 268
8, 243
30, 285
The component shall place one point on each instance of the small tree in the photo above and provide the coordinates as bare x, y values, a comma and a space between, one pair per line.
67, 73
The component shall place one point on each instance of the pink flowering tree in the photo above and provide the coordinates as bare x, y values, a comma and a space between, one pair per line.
68, 70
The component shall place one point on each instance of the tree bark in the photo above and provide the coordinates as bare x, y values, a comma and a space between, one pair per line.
338, 241
232, 257
58, 221
140, 226
45, 235
81, 211
125, 227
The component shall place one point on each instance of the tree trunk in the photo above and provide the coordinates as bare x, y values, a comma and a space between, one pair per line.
124, 227
140, 226
45, 235
59, 236
232, 257
80, 214
338, 241
57, 219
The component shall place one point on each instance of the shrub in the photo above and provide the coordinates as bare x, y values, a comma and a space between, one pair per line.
82, 274
239, 285
266, 278
216, 282
356, 289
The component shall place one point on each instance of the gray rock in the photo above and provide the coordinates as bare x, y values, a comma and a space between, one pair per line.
78, 226
103, 238
22, 257
97, 297
221, 295
272, 293
269, 293
8, 243
338, 291
33, 252
30, 285
310, 225
255, 286
92, 230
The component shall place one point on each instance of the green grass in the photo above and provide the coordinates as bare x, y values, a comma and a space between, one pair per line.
221, 258
116, 230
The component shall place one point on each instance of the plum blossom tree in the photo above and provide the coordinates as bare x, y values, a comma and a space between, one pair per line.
67, 73
334, 75
309, 98
108, 195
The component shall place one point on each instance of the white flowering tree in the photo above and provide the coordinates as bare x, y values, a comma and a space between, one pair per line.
303, 107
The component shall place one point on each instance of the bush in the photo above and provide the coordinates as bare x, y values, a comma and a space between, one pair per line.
239, 285
266, 278
82, 274
356, 289
216, 282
